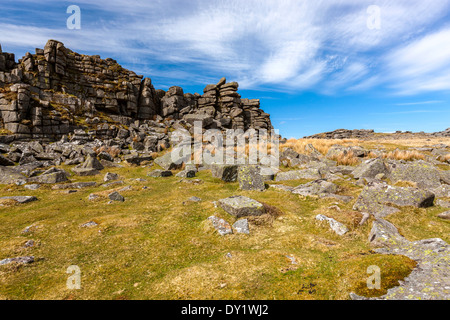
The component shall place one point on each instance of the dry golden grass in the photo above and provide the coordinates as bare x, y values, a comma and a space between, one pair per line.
346, 159
407, 155
322, 145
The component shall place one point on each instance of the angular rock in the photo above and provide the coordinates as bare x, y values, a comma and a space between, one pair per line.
240, 206
90, 167
21, 260
109, 176
370, 169
444, 215
241, 226
336, 226
315, 188
424, 174
20, 199
5, 161
249, 178
312, 174
115, 196
378, 199
227, 173
221, 225
160, 173
172, 161
384, 233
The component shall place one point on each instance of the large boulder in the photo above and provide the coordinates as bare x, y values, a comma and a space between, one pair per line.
378, 199
424, 174
5, 161
90, 167
171, 161
315, 188
384, 233
10, 175
309, 174
336, 226
241, 206
50, 176
20, 199
226, 172
221, 225
249, 178
370, 169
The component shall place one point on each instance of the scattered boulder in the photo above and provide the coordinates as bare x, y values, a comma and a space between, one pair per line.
74, 185
308, 174
249, 178
20, 199
424, 174
240, 206
444, 215
221, 225
32, 186
5, 161
90, 167
89, 224
158, 173
171, 161
241, 226
378, 199
443, 203
370, 169
115, 196
315, 188
187, 174
50, 176
10, 175
336, 226
109, 176
227, 173
384, 233
21, 260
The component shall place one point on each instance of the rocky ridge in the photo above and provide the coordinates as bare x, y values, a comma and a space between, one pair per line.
57, 92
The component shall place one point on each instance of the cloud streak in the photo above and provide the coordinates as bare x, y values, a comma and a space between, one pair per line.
323, 46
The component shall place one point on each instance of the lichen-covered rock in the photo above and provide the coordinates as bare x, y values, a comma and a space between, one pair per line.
249, 178
51, 176
21, 260
20, 199
378, 199
424, 174
370, 169
225, 172
157, 173
90, 167
115, 196
384, 233
315, 188
336, 226
171, 161
241, 226
430, 278
312, 174
221, 225
240, 206
10, 175
444, 215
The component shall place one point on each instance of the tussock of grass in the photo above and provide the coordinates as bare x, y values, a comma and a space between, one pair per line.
407, 155
346, 159
322, 145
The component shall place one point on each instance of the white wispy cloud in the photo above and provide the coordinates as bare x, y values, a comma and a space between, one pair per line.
284, 45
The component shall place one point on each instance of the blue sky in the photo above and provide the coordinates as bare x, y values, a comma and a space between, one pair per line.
315, 65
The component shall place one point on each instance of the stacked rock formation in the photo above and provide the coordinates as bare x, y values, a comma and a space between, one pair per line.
50, 94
